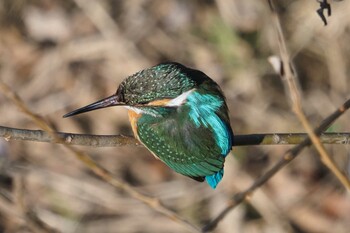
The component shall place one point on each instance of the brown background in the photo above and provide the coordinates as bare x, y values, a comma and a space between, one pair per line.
61, 55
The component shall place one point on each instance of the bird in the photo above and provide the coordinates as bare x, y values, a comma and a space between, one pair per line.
180, 115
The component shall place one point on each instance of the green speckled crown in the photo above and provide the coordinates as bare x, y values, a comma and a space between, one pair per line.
167, 80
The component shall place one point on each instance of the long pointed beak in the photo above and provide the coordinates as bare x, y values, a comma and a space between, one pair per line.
104, 103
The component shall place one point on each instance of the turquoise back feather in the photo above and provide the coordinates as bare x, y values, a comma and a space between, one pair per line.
204, 108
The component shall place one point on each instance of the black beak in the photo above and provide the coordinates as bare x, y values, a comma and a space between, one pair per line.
104, 103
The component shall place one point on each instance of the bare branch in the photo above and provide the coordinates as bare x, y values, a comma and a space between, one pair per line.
121, 140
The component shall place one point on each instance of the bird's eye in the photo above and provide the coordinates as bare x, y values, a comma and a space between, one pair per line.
120, 94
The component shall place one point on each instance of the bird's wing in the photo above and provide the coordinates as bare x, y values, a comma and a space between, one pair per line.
187, 149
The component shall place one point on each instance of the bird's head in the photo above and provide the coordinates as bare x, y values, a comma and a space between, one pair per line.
156, 86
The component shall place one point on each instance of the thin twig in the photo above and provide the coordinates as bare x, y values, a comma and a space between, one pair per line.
96, 168
288, 75
121, 140
286, 159
291, 81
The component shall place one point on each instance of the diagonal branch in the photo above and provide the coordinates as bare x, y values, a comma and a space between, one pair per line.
291, 82
286, 159
313, 135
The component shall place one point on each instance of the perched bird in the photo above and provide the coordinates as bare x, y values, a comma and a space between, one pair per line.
180, 115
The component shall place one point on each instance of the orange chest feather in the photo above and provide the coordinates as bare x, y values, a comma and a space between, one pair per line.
133, 118
161, 102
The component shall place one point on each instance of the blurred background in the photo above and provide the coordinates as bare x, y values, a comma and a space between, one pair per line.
61, 55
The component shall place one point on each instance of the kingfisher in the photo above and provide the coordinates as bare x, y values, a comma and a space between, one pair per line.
180, 115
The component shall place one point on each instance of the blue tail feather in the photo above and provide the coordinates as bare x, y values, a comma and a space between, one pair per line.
214, 180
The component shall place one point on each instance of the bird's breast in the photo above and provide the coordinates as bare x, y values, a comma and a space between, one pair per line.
133, 118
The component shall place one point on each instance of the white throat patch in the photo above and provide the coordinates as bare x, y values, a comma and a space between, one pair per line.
141, 111
180, 100
137, 110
